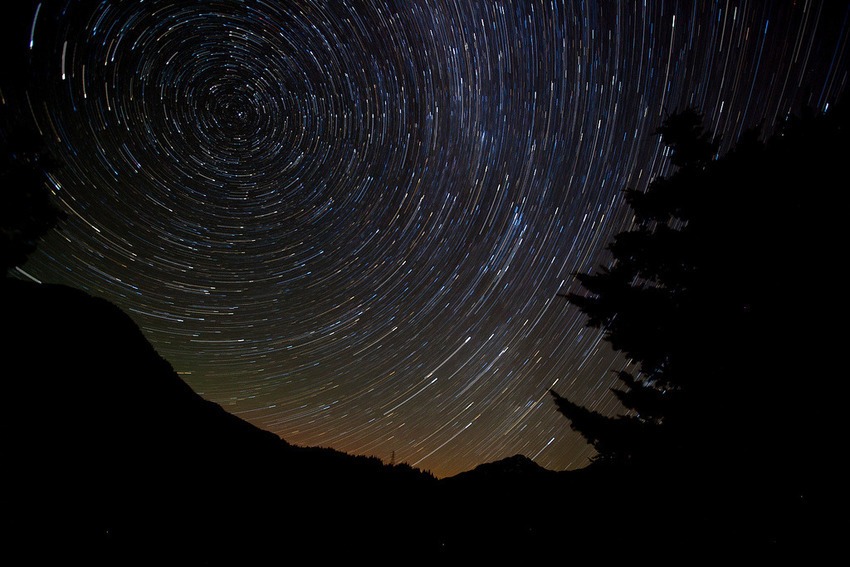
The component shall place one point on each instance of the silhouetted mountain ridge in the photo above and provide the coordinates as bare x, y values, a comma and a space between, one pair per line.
114, 458
517, 465
111, 458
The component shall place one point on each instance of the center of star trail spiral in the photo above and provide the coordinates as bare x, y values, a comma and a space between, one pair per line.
348, 221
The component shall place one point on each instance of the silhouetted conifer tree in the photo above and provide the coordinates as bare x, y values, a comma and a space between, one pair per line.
27, 211
714, 295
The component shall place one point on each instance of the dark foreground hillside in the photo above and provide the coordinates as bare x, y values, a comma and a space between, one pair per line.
111, 459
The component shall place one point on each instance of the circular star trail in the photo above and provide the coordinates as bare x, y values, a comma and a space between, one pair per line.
348, 222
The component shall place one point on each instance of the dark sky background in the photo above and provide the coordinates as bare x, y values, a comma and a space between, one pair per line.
348, 221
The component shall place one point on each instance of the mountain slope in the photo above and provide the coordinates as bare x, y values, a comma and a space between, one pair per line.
111, 458
110, 454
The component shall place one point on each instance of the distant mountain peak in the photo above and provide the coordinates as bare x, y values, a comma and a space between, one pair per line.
517, 464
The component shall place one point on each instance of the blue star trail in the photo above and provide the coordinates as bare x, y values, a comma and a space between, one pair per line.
348, 222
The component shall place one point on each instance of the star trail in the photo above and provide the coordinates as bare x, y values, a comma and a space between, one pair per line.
347, 222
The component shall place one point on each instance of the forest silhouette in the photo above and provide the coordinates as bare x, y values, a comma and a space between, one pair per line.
720, 294
721, 299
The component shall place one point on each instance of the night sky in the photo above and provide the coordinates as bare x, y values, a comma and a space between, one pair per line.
347, 222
